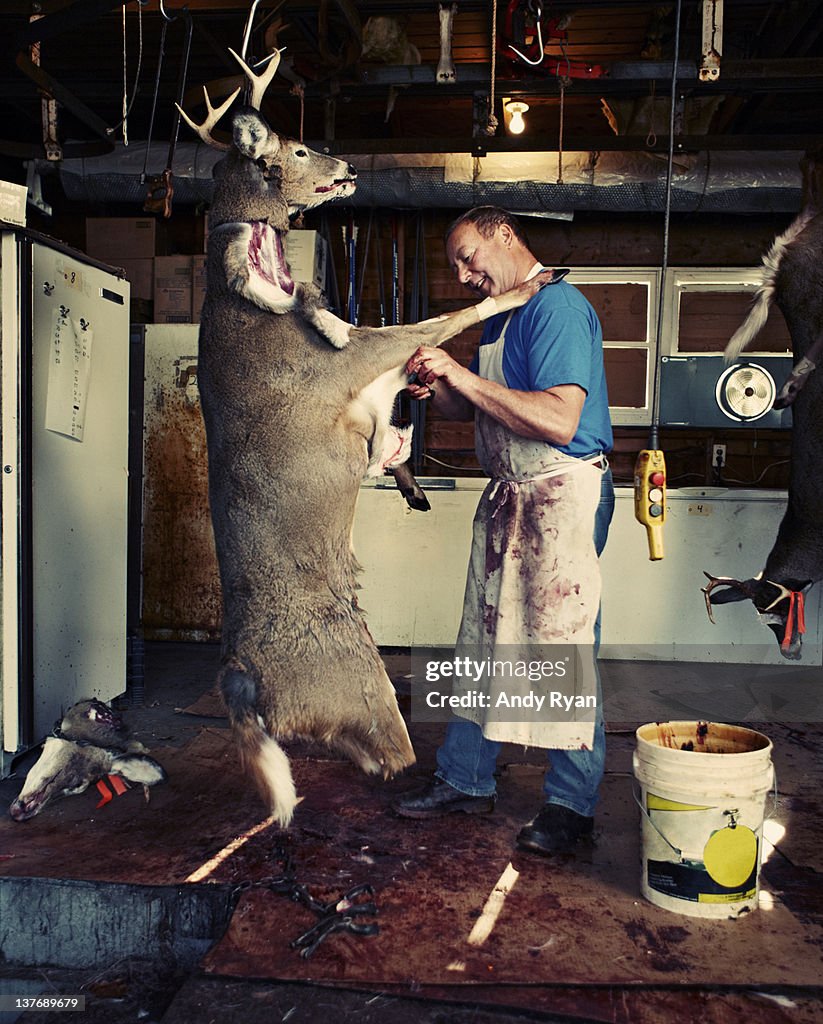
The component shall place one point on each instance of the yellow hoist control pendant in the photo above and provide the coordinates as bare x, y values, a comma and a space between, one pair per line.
650, 498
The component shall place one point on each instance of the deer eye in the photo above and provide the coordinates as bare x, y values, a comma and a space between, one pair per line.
300, 152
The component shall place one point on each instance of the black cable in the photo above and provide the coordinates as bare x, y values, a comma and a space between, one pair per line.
654, 430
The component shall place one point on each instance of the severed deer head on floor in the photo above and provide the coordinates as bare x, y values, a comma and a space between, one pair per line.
89, 742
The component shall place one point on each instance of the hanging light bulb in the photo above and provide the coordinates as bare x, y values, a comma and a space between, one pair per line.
516, 109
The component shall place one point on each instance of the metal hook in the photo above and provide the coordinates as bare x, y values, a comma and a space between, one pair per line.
168, 17
523, 57
247, 29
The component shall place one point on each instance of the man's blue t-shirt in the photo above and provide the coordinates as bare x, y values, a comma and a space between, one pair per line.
556, 339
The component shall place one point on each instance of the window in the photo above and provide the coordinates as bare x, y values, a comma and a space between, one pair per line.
626, 302
705, 307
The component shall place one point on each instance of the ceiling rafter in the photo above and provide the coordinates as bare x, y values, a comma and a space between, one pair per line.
771, 89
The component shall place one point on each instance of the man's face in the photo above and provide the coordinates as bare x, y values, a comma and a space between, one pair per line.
483, 265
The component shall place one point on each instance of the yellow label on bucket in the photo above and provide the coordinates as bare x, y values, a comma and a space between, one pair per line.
726, 897
660, 803
730, 855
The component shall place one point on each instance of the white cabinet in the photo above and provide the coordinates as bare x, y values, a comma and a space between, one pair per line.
65, 419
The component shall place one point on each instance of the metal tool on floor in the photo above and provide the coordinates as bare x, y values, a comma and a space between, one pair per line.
338, 915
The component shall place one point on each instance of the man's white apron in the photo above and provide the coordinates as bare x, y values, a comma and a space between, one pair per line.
533, 577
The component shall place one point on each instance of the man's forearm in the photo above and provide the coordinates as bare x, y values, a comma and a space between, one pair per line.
551, 415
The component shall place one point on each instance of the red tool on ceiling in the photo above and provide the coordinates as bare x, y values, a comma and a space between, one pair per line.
524, 37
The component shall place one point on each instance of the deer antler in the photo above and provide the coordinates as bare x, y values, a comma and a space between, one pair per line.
722, 581
212, 117
261, 82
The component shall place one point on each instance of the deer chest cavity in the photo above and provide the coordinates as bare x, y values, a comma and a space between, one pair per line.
267, 261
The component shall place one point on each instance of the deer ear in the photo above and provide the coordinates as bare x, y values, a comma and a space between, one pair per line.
138, 768
252, 136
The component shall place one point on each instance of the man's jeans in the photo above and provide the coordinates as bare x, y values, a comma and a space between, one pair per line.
467, 760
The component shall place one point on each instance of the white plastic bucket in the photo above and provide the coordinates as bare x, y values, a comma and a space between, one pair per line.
703, 788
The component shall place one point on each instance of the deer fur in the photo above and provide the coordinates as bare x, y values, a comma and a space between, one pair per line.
793, 279
296, 405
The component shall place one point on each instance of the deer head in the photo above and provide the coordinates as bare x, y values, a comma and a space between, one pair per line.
267, 176
780, 606
89, 742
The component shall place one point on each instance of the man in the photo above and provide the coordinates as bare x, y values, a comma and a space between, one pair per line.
538, 393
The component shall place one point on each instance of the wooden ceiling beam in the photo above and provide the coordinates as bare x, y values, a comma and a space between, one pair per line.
581, 143
804, 72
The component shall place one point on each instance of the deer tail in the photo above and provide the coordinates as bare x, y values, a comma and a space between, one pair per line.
764, 296
261, 755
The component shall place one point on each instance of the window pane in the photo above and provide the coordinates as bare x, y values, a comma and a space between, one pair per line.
626, 377
622, 308
709, 318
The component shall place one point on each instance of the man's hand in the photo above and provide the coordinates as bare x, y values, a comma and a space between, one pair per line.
431, 365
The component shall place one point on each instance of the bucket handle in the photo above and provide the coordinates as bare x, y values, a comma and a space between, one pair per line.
637, 793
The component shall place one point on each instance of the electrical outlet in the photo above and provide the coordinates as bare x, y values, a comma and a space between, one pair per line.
718, 456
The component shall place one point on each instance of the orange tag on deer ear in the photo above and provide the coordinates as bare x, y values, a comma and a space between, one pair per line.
117, 784
105, 793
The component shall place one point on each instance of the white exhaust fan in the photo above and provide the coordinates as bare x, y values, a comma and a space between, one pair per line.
745, 392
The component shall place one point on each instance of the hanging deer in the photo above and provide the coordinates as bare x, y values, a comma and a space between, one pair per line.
793, 278
297, 406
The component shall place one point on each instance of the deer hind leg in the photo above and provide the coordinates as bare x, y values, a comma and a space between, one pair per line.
410, 489
396, 344
392, 345
389, 446
394, 449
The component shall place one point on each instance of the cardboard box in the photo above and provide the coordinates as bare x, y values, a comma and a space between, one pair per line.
307, 256
114, 239
172, 289
13, 203
140, 275
198, 286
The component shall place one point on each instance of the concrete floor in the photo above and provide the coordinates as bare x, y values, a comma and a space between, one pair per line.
717, 973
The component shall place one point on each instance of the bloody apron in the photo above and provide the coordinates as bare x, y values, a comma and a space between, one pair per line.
533, 579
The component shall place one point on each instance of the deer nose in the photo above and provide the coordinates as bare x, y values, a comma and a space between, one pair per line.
352, 171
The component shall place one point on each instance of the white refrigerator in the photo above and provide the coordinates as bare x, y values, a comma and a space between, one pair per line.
64, 322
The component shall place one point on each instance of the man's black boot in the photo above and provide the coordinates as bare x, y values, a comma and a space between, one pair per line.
440, 798
555, 829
